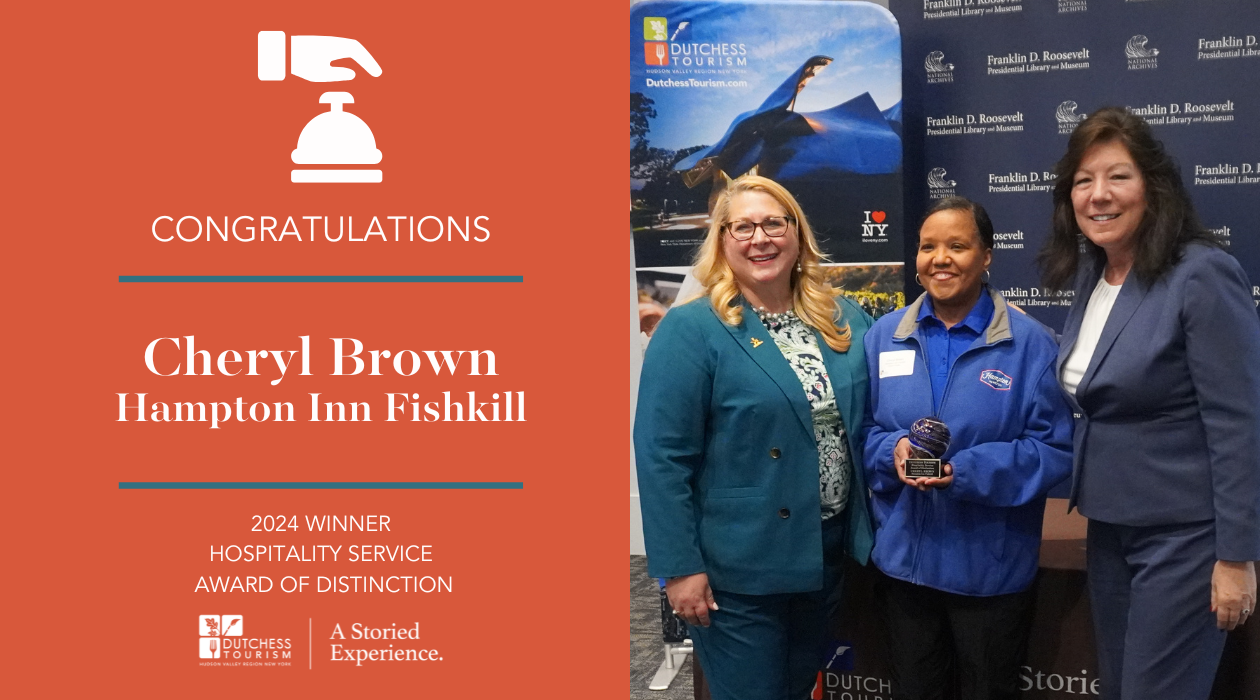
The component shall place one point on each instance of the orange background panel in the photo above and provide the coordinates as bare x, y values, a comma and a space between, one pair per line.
117, 115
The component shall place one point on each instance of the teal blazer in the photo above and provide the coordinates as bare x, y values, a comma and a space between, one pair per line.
726, 457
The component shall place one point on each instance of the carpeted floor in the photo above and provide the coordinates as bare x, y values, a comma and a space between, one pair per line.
647, 649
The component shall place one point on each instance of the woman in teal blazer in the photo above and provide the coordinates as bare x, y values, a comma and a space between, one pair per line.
748, 446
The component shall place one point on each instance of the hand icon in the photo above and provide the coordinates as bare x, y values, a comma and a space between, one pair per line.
310, 57
312, 54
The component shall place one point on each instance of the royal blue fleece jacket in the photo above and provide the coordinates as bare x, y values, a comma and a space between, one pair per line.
1011, 443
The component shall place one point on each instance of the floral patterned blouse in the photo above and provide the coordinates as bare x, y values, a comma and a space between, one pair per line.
799, 346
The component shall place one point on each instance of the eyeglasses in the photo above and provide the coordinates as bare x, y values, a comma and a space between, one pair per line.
773, 227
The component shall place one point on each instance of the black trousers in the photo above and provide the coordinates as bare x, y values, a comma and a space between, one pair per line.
945, 646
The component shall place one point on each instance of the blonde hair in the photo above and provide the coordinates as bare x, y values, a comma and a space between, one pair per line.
813, 299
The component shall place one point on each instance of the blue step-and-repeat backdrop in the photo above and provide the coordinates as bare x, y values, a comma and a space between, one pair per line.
993, 88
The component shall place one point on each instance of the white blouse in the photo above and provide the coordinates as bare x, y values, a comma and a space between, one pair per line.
1096, 313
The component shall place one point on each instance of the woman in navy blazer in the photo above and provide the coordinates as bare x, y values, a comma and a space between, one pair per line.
1160, 352
748, 445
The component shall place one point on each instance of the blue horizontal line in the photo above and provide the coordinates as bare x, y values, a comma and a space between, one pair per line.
321, 278
272, 485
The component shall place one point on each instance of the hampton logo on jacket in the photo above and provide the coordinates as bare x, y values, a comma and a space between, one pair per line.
996, 379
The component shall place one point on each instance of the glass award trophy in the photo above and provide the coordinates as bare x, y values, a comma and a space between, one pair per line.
929, 439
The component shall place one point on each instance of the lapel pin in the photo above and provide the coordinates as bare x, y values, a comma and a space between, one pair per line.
756, 342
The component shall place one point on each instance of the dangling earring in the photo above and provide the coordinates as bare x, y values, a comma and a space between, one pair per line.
798, 266
986, 276
916, 279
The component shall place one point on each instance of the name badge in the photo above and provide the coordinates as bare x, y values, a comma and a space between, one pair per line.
896, 363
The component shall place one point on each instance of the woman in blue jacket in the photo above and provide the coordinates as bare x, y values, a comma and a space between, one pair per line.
959, 552
748, 445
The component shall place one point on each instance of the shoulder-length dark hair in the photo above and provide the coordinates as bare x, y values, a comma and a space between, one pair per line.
1168, 224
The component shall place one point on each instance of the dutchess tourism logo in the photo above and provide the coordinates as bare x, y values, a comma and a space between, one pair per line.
214, 628
937, 70
666, 45
938, 186
1139, 55
655, 38
223, 642
1067, 117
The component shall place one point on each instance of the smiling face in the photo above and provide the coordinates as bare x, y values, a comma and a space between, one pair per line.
1109, 197
761, 264
951, 259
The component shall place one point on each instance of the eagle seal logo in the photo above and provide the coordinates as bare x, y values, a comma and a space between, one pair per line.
1066, 113
1136, 48
933, 63
936, 179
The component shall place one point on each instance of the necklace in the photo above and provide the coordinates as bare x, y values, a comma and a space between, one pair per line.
774, 320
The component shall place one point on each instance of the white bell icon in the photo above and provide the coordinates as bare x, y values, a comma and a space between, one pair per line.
336, 137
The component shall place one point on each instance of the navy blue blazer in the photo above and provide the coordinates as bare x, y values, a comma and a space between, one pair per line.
726, 457
1168, 427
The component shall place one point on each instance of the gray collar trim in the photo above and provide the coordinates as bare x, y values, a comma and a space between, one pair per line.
999, 326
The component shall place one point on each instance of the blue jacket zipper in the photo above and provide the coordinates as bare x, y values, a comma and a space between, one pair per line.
938, 412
